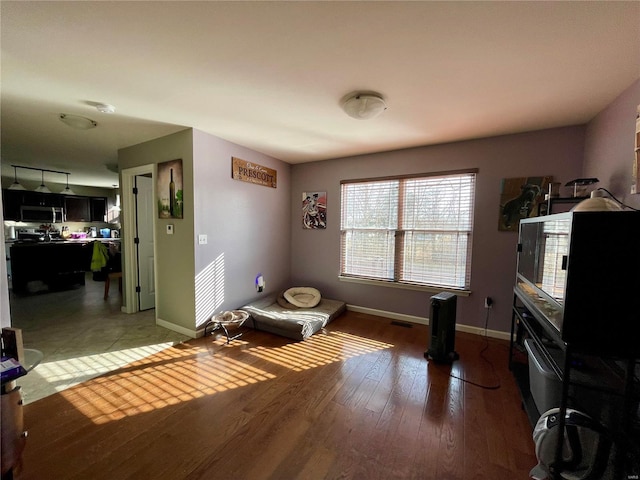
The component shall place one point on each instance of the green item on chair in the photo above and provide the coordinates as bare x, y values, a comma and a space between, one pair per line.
100, 257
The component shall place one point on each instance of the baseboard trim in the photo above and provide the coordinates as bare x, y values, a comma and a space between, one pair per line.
394, 316
177, 328
425, 321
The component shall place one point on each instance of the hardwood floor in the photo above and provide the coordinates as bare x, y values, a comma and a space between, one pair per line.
357, 401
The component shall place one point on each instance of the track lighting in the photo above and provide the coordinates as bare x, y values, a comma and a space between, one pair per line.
67, 190
16, 185
42, 188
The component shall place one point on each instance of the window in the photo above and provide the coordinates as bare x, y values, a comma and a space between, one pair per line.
554, 253
413, 230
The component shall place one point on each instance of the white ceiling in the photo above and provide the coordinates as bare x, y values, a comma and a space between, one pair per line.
271, 75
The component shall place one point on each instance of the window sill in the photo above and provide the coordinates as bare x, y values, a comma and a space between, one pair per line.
404, 286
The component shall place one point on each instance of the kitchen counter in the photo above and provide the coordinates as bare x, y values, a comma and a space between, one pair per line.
59, 264
62, 241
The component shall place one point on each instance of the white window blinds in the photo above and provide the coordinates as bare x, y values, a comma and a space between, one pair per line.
413, 230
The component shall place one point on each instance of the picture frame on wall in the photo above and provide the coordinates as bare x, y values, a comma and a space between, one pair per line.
635, 167
169, 189
314, 210
519, 198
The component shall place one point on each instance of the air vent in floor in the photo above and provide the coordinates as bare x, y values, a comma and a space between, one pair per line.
401, 324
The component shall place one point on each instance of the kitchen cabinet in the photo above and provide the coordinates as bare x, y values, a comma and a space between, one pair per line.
77, 209
98, 207
37, 199
11, 201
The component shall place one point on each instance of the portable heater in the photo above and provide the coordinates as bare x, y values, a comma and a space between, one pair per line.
442, 321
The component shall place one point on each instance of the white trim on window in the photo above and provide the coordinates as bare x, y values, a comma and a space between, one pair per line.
409, 232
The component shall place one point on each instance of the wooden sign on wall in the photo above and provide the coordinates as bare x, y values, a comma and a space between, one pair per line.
253, 173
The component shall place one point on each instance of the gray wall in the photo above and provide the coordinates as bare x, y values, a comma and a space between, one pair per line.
609, 145
175, 300
5, 313
247, 227
315, 253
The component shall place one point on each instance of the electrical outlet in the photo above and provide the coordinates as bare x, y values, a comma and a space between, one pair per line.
488, 301
202, 239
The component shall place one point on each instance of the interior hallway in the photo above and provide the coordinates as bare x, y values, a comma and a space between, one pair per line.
81, 335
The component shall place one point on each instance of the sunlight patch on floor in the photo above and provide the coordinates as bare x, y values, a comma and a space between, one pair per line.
167, 378
50, 377
317, 350
186, 373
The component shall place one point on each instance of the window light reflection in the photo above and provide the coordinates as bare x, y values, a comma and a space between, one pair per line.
78, 369
209, 284
319, 350
181, 374
167, 378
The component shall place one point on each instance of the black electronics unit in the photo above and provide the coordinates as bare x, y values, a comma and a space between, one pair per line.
442, 321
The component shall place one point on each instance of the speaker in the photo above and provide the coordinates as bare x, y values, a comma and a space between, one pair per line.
442, 321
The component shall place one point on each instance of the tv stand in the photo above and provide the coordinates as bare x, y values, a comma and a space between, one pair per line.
606, 388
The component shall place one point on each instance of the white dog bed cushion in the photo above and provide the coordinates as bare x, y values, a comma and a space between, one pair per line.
303, 297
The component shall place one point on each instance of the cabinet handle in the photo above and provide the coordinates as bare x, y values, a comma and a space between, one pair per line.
564, 262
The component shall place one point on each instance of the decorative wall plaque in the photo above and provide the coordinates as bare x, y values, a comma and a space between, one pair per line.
253, 173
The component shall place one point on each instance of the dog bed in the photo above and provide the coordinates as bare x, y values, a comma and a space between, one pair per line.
271, 314
302, 297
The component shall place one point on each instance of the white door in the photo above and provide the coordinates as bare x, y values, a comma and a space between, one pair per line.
144, 233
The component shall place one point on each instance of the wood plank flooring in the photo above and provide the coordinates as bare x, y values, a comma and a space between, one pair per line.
357, 401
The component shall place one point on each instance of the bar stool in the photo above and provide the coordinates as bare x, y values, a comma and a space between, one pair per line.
107, 282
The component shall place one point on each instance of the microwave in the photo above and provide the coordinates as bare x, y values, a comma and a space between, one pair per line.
42, 214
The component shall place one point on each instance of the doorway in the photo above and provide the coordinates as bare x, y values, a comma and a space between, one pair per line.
138, 238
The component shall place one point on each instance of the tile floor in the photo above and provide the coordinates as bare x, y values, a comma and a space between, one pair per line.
81, 335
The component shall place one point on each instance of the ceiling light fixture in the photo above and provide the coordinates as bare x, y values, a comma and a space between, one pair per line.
105, 108
16, 185
67, 190
77, 122
42, 188
364, 106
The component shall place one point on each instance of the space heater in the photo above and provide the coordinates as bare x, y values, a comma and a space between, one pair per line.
442, 321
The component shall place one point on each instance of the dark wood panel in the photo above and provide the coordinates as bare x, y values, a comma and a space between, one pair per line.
77, 209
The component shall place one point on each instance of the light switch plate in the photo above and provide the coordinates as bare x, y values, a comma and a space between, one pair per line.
169, 229
202, 239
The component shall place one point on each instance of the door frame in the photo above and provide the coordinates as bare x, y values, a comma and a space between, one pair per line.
130, 266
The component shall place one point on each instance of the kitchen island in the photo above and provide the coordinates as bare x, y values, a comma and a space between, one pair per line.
58, 264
